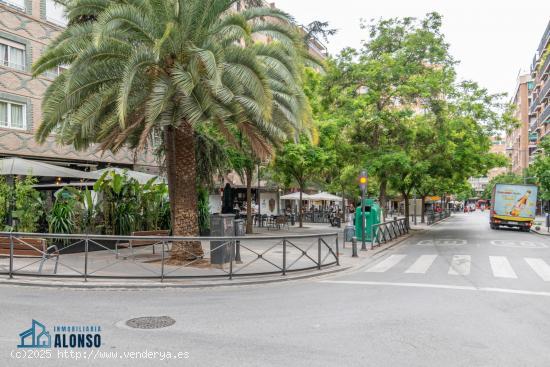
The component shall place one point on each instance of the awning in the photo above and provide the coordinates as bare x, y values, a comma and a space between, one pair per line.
296, 196
141, 177
26, 167
325, 196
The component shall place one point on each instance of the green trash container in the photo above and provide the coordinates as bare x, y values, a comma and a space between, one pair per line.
372, 216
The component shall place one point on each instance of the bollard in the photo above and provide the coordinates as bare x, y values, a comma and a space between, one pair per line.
238, 252
354, 247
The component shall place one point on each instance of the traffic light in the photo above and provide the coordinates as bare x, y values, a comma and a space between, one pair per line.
363, 179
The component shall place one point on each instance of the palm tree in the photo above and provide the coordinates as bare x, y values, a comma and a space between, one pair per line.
178, 67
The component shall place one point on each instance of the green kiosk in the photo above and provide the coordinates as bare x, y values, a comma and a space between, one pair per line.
372, 216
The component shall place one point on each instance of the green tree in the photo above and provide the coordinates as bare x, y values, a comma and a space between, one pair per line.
28, 204
299, 163
172, 67
410, 123
404, 62
541, 169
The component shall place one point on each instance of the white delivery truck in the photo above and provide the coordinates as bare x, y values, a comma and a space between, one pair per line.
513, 206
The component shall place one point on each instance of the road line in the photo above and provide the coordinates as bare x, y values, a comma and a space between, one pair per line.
460, 265
501, 267
386, 264
422, 264
540, 267
440, 286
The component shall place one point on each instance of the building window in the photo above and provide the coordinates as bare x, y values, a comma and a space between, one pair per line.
12, 115
20, 4
55, 13
52, 74
12, 54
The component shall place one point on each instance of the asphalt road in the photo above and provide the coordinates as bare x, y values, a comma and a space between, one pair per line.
460, 294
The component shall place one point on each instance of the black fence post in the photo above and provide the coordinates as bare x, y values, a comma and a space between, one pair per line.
11, 256
231, 267
86, 259
319, 253
354, 247
162, 263
284, 256
337, 255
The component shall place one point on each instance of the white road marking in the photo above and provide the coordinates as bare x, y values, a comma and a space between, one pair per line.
460, 265
386, 264
440, 286
540, 267
422, 264
442, 242
501, 267
519, 244
425, 243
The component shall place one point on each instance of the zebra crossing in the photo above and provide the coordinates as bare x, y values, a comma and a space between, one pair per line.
459, 265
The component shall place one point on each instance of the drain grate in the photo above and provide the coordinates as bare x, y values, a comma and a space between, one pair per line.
151, 322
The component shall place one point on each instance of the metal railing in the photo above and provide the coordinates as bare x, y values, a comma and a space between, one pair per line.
433, 217
388, 231
126, 257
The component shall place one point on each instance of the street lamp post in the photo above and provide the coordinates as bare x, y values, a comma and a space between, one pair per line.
363, 185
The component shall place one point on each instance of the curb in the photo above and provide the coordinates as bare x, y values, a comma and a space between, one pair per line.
164, 285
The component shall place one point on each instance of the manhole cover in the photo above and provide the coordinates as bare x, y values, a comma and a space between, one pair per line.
151, 322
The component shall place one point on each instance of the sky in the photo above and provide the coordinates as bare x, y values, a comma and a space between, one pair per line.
493, 40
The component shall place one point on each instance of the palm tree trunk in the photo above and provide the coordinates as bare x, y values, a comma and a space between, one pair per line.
181, 171
248, 200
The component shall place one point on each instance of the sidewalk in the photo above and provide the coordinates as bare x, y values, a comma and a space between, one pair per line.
144, 264
540, 222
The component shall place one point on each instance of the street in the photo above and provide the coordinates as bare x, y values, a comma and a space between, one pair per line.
458, 294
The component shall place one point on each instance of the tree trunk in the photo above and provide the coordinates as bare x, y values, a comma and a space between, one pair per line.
248, 173
422, 218
344, 207
181, 171
406, 197
300, 208
382, 197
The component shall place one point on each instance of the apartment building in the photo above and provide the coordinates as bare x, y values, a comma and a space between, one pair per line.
498, 146
532, 100
26, 28
539, 110
519, 146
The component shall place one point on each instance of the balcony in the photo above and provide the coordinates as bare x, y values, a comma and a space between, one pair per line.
544, 91
533, 104
544, 40
545, 68
544, 118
